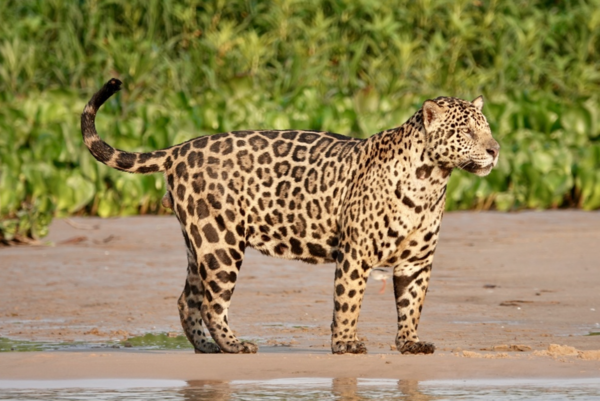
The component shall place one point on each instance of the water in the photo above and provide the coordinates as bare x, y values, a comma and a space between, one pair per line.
301, 389
149, 341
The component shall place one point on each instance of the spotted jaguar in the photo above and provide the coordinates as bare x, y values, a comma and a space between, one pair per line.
313, 196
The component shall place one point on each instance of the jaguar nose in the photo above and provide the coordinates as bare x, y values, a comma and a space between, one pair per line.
493, 149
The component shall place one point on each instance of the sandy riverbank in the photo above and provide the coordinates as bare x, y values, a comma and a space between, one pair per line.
504, 288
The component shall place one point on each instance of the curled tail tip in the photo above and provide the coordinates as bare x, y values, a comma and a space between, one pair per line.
109, 89
113, 85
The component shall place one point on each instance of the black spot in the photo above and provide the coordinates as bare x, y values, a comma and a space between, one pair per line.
213, 201
280, 249
220, 222
333, 242
299, 154
428, 236
223, 257
235, 255
351, 293
218, 309
245, 160
180, 192
269, 134
202, 209
126, 160
225, 277
317, 250
296, 246
355, 275
408, 202
282, 148
215, 147
226, 295
101, 151
415, 259
196, 235
282, 168
289, 135
181, 171
240, 230
227, 146
212, 262
405, 254
403, 303
195, 158
265, 158
157, 154
168, 163
308, 137
298, 173
230, 238
184, 149
424, 171
181, 215
230, 215
258, 143
339, 289
210, 233
153, 168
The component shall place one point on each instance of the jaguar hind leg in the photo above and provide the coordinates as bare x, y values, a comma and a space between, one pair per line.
350, 283
219, 270
189, 305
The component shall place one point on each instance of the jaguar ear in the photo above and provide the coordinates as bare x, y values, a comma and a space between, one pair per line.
432, 113
478, 102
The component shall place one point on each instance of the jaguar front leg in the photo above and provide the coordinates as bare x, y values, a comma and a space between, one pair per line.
349, 288
410, 287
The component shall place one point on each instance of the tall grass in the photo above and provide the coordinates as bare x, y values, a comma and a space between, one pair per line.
350, 66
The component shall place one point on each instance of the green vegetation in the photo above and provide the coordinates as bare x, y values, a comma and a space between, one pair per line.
10, 345
195, 67
157, 341
149, 341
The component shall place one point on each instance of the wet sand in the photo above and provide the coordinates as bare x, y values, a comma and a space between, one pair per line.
505, 287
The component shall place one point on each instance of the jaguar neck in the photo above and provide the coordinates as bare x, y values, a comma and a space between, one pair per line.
410, 155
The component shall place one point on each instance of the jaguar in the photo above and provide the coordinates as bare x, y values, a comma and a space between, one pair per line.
313, 196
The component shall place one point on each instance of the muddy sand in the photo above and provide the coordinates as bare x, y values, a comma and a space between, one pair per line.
511, 296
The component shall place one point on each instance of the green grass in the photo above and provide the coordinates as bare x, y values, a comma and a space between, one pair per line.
354, 67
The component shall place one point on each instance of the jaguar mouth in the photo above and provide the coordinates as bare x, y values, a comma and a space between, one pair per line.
477, 169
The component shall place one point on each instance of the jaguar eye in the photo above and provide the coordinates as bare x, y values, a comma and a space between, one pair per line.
468, 131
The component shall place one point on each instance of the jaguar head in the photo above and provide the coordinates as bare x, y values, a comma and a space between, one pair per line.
459, 136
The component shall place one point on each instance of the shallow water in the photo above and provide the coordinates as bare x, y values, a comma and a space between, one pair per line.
149, 341
301, 389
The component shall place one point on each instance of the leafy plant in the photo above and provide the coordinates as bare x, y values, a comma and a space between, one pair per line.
194, 67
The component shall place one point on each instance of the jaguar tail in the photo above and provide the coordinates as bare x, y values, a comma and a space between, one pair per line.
130, 162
